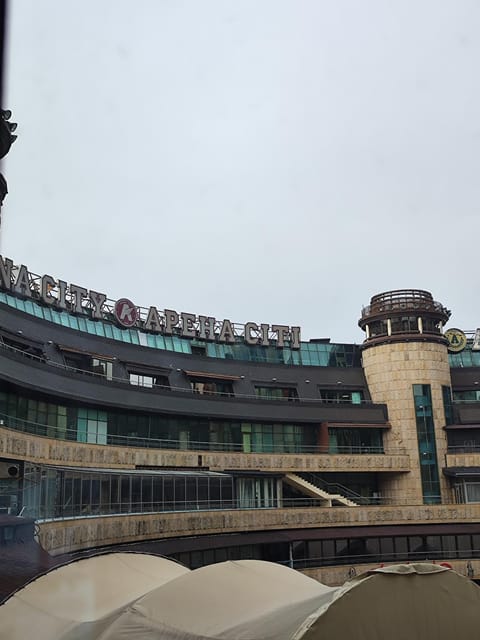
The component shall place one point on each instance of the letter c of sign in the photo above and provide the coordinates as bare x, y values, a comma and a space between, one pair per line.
125, 312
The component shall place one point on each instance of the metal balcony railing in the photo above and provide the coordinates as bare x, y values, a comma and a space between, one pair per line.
434, 555
402, 300
57, 511
464, 448
183, 390
70, 433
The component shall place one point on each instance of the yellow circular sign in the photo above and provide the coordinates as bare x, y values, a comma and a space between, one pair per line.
457, 340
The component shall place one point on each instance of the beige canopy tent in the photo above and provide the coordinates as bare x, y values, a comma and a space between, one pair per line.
244, 600
81, 599
414, 602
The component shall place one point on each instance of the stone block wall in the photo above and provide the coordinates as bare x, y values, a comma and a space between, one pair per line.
75, 534
43, 450
391, 370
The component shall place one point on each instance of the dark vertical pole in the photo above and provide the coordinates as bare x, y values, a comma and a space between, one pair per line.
3, 33
3, 22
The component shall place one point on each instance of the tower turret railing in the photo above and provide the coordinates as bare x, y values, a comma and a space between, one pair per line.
403, 314
401, 300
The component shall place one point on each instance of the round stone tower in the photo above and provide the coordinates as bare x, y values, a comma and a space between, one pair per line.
405, 361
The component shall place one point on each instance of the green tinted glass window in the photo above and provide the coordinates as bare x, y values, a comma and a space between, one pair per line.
310, 354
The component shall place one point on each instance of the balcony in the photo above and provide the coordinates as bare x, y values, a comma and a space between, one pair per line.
402, 301
66, 536
39, 444
33, 372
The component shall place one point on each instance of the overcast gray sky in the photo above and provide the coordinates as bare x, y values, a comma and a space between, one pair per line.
258, 160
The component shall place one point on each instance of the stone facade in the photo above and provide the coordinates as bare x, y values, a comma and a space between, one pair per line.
391, 370
65, 536
463, 460
43, 450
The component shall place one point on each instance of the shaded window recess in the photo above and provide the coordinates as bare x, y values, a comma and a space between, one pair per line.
89, 365
199, 350
471, 395
276, 393
341, 396
148, 380
17, 343
212, 387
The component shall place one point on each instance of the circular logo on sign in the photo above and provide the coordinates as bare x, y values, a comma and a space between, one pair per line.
457, 340
125, 312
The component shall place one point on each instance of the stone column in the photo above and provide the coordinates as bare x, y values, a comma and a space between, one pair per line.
391, 371
405, 347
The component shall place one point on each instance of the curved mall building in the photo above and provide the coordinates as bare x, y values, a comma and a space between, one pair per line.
204, 440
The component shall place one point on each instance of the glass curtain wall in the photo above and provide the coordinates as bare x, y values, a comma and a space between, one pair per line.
351, 440
258, 493
91, 425
427, 449
276, 393
344, 551
467, 396
467, 491
338, 396
322, 354
62, 493
447, 404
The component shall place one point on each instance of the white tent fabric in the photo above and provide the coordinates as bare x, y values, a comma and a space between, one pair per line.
90, 592
226, 600
244, 600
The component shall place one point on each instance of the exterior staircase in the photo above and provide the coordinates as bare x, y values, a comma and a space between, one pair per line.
312, 491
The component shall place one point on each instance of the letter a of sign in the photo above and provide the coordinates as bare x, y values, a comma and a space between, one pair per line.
457, 340
125, 312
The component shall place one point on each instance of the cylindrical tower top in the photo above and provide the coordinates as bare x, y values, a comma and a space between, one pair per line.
401, 315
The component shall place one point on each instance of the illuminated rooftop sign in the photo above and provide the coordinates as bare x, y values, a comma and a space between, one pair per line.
79, 300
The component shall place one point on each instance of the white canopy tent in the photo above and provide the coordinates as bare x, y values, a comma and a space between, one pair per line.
244, 600
87, 594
